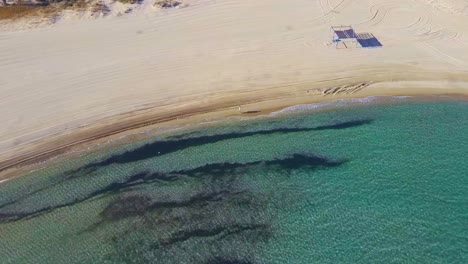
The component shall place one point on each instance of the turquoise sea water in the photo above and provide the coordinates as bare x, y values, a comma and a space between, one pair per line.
381, 183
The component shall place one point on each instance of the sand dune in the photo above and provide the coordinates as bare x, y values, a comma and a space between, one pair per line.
70, 82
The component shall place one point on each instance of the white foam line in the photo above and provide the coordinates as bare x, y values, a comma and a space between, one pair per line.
2, 181
339, 103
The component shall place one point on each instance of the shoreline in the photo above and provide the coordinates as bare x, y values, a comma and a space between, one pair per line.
87, 82
134, 128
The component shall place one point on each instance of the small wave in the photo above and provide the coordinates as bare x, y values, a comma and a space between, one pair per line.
338, 103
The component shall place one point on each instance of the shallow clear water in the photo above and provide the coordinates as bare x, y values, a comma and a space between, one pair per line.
375, 184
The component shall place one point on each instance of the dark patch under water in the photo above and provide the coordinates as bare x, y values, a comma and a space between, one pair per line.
168, 146
177, 225
216, 260
174, 144
347, 124
220, 212
215, 171
275, 201
194, 225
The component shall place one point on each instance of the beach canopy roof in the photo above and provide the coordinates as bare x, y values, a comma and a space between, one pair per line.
344, 32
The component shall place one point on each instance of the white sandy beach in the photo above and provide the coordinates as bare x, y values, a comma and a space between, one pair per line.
63, 83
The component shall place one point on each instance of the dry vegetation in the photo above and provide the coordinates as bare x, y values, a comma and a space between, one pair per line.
47, 9
19, 11
167, 3
52, 7
128, 1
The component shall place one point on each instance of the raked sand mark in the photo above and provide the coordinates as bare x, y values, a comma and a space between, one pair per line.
456, 7
422, 30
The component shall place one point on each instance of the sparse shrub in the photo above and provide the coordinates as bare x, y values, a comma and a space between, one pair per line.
129, 1
17, 11
167, 3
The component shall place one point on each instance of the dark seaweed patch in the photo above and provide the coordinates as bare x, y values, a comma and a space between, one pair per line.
294, 161
227, 260
127, 206
297, 161
175, 144
207, 214
194, 225
222, 219
138, 205
201, 225
113, 187
15, 216
59, 180
165, 147
347, 124
136, 179
224, 231
214, 171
